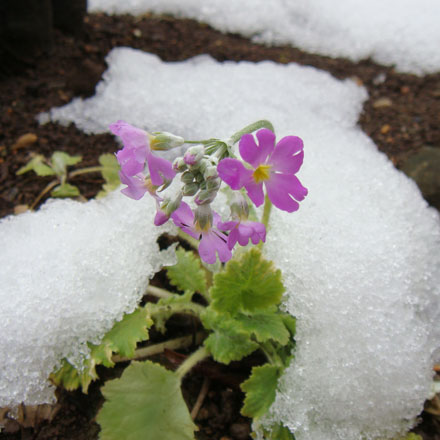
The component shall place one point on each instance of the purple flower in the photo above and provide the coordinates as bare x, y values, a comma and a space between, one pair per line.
137, 151
212, 240
136, 185
242, 231
273, 166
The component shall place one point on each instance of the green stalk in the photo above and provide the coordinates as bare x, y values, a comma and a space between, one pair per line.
265, 217
187, 308
96, 169
191, 361
250, 129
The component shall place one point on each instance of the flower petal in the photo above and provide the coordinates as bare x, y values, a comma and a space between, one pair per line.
233, 172
281, 188
255, 192
288, 155
226, 226
128, 161
135, 185
233, 238
253, 154
160, 169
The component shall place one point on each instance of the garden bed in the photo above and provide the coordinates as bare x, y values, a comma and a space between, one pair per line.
402, 115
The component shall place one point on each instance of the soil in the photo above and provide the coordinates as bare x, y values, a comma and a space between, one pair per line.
402, 115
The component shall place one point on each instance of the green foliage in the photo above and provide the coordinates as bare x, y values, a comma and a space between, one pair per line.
260, 390
37, 164
278, 432
187, 274
121, 339
229, 341
145, 403
110, 173
167, 307
248, 284
265, 326
65, 190
61, 160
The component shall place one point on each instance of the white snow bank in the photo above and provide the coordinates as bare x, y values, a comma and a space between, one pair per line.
67, 273
361, 257
401, 32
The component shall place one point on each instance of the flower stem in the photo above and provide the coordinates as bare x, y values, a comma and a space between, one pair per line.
96, 169
171, 344
266, 211
250, 129
158, 292
200, 354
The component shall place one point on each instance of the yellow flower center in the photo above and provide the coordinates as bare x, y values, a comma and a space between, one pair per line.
262, 173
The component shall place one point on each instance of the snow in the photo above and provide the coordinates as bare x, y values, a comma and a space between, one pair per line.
360, 259
404, 33
68, 272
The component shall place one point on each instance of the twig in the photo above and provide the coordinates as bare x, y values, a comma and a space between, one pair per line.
42, 193
200, 398
172, 344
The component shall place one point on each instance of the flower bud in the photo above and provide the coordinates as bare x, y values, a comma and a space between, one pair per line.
203, 217
213, 184
165, 141
210, 172
187, 177
179, 165
190, 189
239, 206
194, 155
205, 196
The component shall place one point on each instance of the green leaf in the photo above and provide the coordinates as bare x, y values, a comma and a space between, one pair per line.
248, 284
162, 311
61, 160
228, 342
121, 339
70, 378
278, 432
289, 322
37, 165
260, 390
265, 326
187, 274
145, 403
110, 173
65, 190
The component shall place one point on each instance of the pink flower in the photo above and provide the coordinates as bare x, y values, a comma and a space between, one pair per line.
212, 240
242, 231
137, 151
136, 185
273, 166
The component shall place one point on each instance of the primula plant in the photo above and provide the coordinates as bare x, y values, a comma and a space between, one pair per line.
221, 279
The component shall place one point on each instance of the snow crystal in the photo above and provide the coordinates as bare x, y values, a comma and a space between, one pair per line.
360, 258
401, 32
67, 273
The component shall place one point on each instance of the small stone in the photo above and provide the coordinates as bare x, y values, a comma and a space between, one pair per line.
137, 33
404, 90
19, 209
385, 128
382, 102
424, 168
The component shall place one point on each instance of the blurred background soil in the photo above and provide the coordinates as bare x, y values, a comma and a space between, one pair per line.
402, 116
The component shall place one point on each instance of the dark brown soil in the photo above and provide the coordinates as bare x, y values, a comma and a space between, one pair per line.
401, 116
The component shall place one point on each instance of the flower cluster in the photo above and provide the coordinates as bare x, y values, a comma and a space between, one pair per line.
203, 168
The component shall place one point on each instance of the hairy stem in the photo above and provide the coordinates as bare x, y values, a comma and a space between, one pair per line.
186, 308
200, 354
250, 129
172, 344
158, 292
